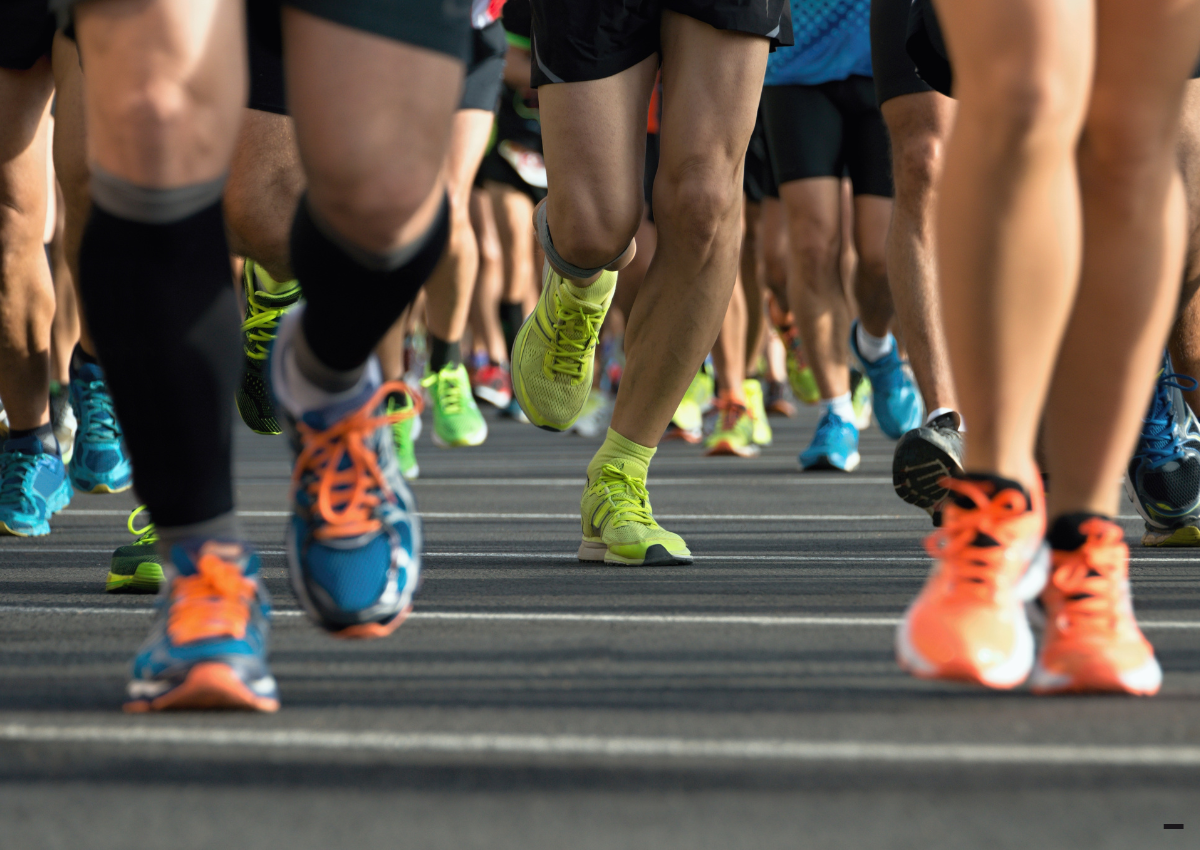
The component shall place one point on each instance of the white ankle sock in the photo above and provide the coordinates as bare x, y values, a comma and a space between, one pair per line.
294, 390
840, 405
873, 347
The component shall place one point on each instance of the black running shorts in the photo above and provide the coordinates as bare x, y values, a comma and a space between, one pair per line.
267, 90
578, 40
758, 180
895, 72
485, 68
927, 48
829, 130
441, 25
26, 33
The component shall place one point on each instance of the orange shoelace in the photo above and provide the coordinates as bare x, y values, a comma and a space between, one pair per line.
973, 569
730, 411
214, 602
343, 497
1091, 578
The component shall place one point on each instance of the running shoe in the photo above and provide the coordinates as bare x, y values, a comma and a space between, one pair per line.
1181, 536
619, 527
833, 446
62, 419
514, 412
924, 456
136, 567
354, 539
405, 431
734, 431
688, 422
1092, 642
861, 399
99, 463
1163, 477
969, 623
456, 418
33, 487
758, 412
896, 400
263, 312
800, 374
492, 384
597, 413
207, 648
776, 400
555, 350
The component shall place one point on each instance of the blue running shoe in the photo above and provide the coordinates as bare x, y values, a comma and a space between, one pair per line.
99, 464
1163, 477
834, 446
897, 403
354, 539
207, 648
33, 487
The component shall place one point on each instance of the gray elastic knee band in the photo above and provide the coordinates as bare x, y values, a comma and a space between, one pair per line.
386, 262
143, 204
573, 271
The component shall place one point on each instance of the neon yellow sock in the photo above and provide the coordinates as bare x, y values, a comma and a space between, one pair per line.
597, 290
623, 454
270, 285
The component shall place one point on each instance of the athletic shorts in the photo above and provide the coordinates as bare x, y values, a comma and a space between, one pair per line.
927, 48
829, 130
574, 41
895, 72
495, 167
485, 68
26, 33
758, 180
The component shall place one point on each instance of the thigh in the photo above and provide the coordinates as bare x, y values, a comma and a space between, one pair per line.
804, 133
24, 104
813, 209
468, 142
865, 141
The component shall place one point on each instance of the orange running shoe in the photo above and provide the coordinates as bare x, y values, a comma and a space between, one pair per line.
734, 432
1092, 642
969, 623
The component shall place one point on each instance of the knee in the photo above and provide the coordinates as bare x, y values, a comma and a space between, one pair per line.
698, 201
816, 246
1025, 104
917, 161
1123, 152
593, 235
370, 207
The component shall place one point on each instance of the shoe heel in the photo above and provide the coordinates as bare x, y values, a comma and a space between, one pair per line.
592, 552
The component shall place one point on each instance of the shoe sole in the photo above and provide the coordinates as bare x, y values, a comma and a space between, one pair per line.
209, 686
1187, 536
147, 578
371, 631
495, 399
104, 488
677, 433
476, 439
1142, 681
824, 463
656, 556
918, 467
726, 448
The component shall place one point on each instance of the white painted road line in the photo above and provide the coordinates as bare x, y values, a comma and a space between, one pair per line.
526, 515
571, 617
615, 747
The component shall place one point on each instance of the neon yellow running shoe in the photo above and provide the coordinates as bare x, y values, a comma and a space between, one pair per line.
405, 431
753, 391
619, 527
861, 397
456, 417
136, 567
263, 311
800, 374
734, 431
555, 350
687, 423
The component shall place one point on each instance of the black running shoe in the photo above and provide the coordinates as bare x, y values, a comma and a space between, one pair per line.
263, 311
924, 456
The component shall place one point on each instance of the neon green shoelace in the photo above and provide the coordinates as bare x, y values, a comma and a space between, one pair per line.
450, 388
575, 332
145, 536
627, 497
260, 326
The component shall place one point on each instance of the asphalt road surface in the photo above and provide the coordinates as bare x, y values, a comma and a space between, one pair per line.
750, 700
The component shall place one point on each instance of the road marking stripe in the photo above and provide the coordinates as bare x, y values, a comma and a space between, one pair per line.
518, 516
491, 743
570, 617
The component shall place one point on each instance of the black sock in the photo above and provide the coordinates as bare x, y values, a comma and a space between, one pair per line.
512, 313
45, 433
992, 484
442, 353
164, 316
79, 357
1064, 534
339, 330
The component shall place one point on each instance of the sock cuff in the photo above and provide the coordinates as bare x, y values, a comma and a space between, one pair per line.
629, 447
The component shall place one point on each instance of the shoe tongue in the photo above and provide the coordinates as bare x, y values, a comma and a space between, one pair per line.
186, 554
87, 372
27, 445
325, 417
991, 485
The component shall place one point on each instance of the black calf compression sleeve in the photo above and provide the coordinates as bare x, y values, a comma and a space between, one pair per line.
351, 306
164, 316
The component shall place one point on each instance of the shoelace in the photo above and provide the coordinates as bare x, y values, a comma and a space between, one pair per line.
828, 424
345, 499
213, 602
98, 421
260, 326
15, 471
451, 387
730, 412
575, 331
973, 569
1091, 578
145, 536
627, 497
1159, 440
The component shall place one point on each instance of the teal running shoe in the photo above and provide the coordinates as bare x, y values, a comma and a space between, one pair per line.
405, 432
834, 445
100, 464
354, 538
137, 566
33, 487
456, 417
263, 311
897, 402
207, 648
